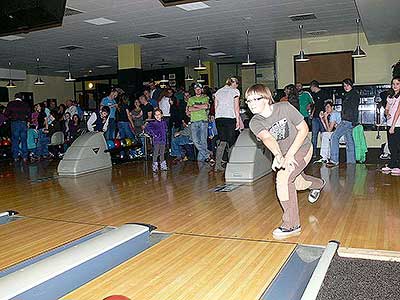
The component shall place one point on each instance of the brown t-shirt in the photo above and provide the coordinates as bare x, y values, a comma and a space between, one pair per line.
281, 124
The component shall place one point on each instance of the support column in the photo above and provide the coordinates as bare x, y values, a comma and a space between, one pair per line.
130, 73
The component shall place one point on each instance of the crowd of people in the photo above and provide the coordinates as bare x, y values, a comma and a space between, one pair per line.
31, 129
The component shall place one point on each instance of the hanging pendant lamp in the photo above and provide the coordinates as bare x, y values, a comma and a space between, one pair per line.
11, 83
301, 57
358, 52
188, 77
200, 66
69, 78
38, 80
248, 62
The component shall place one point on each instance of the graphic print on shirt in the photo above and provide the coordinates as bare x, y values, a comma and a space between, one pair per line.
280, 130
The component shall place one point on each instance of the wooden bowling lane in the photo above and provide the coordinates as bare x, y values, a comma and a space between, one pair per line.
27, 238
192, 267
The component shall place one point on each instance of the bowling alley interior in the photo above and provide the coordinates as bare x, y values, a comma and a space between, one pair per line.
199, 150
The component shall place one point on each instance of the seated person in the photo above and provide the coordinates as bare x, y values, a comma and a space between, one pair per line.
330, 119
181, 138
98, 120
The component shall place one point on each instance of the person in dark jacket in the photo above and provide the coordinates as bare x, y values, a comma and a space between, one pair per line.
350, 103
98, 120
18, 112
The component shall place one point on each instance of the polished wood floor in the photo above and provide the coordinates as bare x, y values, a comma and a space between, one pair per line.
360, 207
188, 267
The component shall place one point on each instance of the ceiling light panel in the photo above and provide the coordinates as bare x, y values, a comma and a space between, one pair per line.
11, 37
302, 17
216, 54
193, 6
152, 35
100, 21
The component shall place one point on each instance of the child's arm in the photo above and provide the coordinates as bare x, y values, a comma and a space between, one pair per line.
271, 143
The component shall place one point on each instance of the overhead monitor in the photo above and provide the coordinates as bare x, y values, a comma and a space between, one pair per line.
326, 68
23, 16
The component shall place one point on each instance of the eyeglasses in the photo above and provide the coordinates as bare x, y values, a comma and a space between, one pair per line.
248, 101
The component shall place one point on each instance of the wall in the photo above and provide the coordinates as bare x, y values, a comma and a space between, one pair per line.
373, 69
55, 87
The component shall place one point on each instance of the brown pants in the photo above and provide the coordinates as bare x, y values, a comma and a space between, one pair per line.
288, 182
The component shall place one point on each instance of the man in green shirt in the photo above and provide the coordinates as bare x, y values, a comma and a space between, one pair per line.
305, 102
197, 110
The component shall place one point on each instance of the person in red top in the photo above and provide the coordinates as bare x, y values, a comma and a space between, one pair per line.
18, 112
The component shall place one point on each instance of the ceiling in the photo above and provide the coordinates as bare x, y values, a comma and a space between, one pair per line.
221, 28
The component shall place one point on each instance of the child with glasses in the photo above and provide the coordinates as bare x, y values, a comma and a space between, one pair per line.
283, 131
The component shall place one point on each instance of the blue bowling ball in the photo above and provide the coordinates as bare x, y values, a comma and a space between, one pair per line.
110, 144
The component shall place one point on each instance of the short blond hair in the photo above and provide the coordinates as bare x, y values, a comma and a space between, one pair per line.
261, 90
231, 80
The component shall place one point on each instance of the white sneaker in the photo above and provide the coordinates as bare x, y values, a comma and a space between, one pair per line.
281, 233
315, 193
386, 169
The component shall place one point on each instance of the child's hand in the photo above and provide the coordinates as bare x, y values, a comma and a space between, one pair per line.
277, 162
177, 134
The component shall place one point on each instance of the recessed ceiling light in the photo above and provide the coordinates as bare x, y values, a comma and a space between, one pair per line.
11, 37
193, 6
217, 54
152, 35
61, 71
106, 37
103, 66
100, 21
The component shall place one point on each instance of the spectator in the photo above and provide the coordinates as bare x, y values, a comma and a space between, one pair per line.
180, 139
98, 120
197, 108
18, 112
137, 116
319, 96
147, 108
111, 103
350, 103
305, 102
330, 119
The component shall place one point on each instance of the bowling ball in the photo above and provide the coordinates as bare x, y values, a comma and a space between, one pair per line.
117, 143
128, 142
110, 145
123, 143
117, 297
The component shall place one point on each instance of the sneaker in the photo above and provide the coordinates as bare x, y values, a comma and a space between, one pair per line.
163, 166
155, 167
322, 160
395, 171
331, 164
281, 233
315, 193
385, 156
386, 169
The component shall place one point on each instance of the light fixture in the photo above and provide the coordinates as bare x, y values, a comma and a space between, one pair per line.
38, 80
200, 66
164, 80
301, 57
358, 52
248, 62
188, 77
69, 78
10, 84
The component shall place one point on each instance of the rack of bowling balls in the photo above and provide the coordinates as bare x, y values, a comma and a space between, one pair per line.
117, 145
5, 147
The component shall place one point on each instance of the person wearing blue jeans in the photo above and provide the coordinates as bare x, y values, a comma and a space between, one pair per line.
112, 104
199, 137
42, 149
19, 137
197, 107
350, 103
125, 122
345, 128
18, 112
319, 97
179, 139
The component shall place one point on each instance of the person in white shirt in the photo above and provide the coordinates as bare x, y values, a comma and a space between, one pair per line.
330, 119
99, 120
71, 108
227, 118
